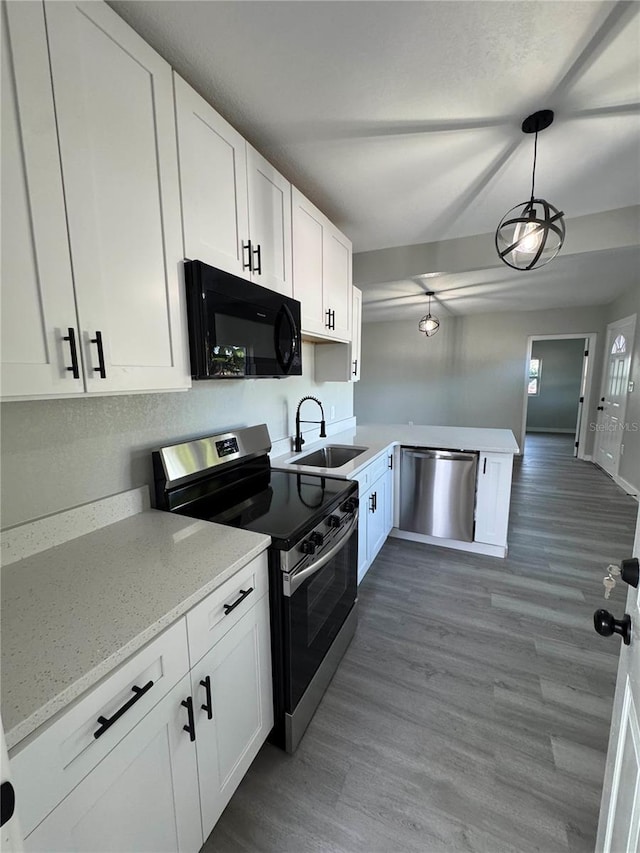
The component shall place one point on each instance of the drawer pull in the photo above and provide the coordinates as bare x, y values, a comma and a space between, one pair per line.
190, 728
101, 368
243, 594
71, 337
208, 707
107, 722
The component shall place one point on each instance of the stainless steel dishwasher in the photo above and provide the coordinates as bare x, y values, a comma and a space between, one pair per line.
438, 492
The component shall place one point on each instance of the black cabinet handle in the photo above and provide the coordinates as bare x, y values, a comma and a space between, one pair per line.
333, 320
355, 367
391, 462
371, 506
606, 625
257, 252
484, 466
375, 502
328, 316
243, 594
246, 264
7, 802
107, 722
98, 342
71, 337
600, 409
208, 707
191, 725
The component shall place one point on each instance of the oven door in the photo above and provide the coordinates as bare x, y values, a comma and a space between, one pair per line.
317, 600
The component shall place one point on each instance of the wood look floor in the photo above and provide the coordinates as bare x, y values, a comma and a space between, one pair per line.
471, 711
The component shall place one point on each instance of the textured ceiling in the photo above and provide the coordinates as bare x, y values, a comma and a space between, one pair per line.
401, 120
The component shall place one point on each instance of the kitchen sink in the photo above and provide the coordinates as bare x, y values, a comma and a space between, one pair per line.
331, 456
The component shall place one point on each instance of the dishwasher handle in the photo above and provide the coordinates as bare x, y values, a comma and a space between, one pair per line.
438, 454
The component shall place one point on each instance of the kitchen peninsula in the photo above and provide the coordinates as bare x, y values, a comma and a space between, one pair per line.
378, 471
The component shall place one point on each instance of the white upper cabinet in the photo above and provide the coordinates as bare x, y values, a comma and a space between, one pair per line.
341, 362
38, 307
213, 180
321, 272
116, 127
236, 208
269, 224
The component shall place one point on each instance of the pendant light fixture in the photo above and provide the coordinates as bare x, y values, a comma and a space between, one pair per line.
531, 233
429, 325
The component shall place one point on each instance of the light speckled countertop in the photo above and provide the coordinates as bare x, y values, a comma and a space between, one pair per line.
72, 613
377, 437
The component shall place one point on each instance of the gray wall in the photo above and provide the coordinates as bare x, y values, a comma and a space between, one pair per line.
555, 407
472, 373
626, 305
57, 454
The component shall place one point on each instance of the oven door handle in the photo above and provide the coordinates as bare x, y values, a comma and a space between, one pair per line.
292, 582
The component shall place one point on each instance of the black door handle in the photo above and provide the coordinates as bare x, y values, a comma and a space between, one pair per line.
257, 252
600, 408
246, 247
100, 368
606, 625
630, 571
243, 594
71, 337
7, 802
190, 728
208, 707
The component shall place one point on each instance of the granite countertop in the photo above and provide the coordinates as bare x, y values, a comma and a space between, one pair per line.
376, 438
73, 612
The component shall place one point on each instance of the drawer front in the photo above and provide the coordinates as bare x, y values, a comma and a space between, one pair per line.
212, 618
374, 471
53, 762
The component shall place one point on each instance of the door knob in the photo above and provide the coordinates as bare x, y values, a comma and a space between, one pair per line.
630, 571
606, 625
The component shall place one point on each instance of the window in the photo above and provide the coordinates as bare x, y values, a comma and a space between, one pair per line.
619, 345
535, 368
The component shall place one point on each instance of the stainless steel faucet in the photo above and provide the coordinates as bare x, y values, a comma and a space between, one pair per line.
299, 440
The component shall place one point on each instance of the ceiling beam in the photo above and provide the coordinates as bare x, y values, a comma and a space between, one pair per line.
612, 229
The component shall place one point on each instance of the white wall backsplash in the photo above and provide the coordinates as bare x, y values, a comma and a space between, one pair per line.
57, 454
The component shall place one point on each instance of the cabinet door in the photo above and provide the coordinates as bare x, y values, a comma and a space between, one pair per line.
387, 491
377, 521
493, 497
213, 181
38, 307
269, 224
235, 677
340, 362
363, 539
308, 227
356, 335
116, 126
143, 795
336, 281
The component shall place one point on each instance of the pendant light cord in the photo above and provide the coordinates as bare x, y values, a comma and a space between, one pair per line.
535, 157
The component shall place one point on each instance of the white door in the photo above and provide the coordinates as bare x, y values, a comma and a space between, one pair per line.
143, 796
116, 125
233, 680
38, 306
613, 399
619, 825
213, 180
269, 224
308, 228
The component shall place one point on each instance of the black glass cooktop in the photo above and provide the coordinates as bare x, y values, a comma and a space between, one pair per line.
281, 504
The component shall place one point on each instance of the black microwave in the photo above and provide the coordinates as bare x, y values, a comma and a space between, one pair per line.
238, 329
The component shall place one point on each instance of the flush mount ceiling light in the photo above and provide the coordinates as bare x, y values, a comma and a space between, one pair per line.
531, 233
429, 325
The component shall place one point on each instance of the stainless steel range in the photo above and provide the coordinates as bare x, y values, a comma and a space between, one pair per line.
313, 559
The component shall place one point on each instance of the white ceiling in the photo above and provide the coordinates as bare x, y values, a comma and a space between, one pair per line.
401, 120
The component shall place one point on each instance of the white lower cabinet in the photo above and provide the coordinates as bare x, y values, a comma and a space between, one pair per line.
493, 496
148, 759
376, 510
233, 703
142, 796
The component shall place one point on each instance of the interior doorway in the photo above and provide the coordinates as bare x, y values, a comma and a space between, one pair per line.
557, 386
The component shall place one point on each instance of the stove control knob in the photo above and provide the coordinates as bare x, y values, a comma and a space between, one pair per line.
308, 547
334, 521
317, 538
350, 505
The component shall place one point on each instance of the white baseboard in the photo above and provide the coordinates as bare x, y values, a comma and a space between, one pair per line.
470, 547
626, 485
